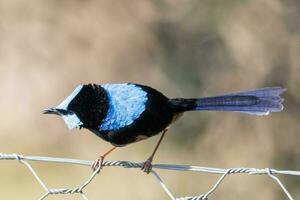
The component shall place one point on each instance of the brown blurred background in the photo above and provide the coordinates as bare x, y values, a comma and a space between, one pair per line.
185, 48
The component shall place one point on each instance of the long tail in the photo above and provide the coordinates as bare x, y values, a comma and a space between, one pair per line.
254, 102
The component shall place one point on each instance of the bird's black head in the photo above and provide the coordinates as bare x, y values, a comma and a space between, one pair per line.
85, 107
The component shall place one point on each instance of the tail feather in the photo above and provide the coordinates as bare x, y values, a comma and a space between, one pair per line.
255, 102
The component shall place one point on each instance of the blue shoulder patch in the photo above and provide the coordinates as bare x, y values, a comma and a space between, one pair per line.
126, 103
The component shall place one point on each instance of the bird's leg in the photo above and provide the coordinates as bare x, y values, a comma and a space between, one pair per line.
98, 163
147, 166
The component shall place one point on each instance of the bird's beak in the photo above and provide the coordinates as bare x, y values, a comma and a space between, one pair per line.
51, 111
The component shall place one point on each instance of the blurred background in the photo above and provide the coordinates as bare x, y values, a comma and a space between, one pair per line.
188, 48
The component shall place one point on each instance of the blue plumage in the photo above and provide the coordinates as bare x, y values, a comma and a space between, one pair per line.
65, 104
70, 119
126, 103
254, 102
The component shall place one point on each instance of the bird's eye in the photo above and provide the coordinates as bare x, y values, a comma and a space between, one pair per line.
61, 111
70, 112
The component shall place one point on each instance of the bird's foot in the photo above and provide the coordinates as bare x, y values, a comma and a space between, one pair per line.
147, 166
97, 165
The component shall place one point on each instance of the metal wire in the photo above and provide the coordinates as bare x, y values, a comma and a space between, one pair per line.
126, 164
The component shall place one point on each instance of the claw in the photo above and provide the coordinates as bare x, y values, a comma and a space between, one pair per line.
98, 164
147, 166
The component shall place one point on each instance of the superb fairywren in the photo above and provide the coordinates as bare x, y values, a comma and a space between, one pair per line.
125, 113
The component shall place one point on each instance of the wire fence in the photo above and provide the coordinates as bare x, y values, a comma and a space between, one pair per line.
126, 164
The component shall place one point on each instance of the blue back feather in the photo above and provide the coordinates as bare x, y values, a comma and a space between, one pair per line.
126, 104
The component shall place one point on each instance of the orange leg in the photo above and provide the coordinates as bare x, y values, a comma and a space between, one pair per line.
147, 164
98, 163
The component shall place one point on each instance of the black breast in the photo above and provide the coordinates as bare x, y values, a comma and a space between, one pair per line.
90, 105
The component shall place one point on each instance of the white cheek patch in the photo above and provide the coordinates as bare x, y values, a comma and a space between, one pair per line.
72, 121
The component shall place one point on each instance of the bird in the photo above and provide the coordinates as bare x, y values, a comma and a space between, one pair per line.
125, 113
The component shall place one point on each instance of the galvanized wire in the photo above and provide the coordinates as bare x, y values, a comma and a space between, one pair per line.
126, 164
